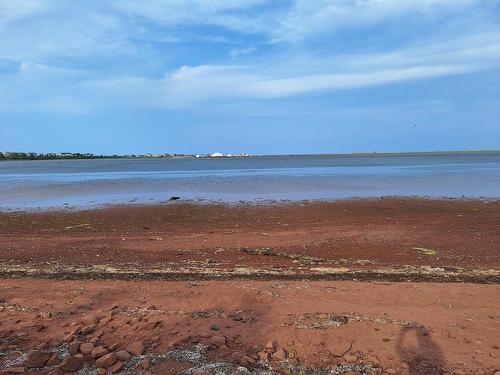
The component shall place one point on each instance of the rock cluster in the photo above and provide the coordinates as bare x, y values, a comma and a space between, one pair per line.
114, 341
81, 346
107, 360
274, 353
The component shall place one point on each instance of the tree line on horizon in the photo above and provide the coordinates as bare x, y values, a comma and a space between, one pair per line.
75, 155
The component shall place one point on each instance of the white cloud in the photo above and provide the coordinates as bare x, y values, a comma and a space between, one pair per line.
229, 14
234, 53
188, 85
75, 37
11, 10
40, 86
96, 36
177, 11
191, 85
277, 88
273, 80
291, 21
481, 50
93, 29
306, 18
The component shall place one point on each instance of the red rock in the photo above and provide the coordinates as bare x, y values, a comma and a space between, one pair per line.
39, 327
279, 355
53, 361
89, 320
69, 337
239, 357
99, 333
136, 348
271, 346
56, 342
73, 347
145, 364
12, 356
115, 368
256, 348
86, 348
15, 370
106, 360
254, 356
6, 333
72, 363
123, 355
99, 352
294, 362
106, 320
218, 341
88, 329
37, 358
249, 359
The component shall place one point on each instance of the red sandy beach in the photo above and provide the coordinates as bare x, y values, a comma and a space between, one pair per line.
392, 286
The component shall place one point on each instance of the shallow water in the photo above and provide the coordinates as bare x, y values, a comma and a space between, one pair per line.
86, 183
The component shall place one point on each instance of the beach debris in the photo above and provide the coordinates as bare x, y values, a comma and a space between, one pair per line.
333, 320
83, 225
302, 259
425, 251
458, 325
305, 259
206, 314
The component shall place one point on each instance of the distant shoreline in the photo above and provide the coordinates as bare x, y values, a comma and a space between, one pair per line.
12, 156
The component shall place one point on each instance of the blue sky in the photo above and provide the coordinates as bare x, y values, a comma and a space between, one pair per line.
257, 76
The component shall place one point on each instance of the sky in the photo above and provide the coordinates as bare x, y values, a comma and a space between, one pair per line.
253, 76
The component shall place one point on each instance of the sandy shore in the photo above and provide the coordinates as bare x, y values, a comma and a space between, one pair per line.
214, 285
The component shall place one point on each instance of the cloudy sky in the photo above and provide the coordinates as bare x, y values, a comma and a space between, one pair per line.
257, 76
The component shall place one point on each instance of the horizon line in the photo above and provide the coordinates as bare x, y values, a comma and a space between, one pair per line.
233, 155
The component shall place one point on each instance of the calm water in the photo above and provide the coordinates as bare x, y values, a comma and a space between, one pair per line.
84, 183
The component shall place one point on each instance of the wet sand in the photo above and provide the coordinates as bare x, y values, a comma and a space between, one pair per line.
363, 235
202, 262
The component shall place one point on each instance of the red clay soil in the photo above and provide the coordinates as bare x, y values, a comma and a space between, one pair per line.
394, 328
383, 232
